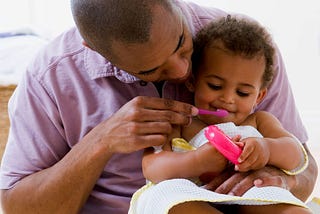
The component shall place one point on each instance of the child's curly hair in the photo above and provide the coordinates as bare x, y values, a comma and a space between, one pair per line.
240, 36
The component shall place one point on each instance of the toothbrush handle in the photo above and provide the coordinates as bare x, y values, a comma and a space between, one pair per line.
223, 143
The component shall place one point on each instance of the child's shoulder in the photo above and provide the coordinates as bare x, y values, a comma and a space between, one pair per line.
262, 115
254, 118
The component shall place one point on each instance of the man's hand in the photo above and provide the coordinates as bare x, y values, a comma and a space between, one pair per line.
237, 183
142, 122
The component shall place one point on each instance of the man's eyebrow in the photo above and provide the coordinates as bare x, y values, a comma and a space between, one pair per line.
148, 71
179, 43
175, 50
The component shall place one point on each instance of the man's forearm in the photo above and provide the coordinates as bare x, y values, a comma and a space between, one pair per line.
305, 181
62, 188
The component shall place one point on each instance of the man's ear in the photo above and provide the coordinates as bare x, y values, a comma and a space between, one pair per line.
262, 94
190, 83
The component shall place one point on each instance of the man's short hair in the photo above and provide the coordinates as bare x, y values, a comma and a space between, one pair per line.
100, 22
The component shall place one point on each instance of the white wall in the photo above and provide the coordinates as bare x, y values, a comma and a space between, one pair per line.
47, 17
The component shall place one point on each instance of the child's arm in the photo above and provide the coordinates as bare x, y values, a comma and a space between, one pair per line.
278, 147
168, 164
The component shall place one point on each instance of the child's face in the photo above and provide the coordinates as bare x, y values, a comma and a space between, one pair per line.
230, 82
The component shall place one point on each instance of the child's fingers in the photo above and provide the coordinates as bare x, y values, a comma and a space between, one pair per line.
247, 151
239, 143
236, 138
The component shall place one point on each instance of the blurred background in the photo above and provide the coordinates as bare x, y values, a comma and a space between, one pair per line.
295, 26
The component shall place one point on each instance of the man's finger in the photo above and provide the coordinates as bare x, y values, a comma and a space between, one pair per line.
165, 104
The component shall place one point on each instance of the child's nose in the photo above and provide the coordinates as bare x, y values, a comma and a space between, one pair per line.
227, 97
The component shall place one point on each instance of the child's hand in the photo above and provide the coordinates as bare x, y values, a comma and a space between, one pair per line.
255, 154
236, 139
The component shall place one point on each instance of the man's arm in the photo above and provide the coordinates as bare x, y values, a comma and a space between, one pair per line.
300, 185
305, 181
62, 188
65, 186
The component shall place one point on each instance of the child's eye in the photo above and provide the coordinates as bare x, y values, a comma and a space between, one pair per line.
214, 87
242, 94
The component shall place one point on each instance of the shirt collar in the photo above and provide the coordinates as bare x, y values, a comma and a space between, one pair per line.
99, 67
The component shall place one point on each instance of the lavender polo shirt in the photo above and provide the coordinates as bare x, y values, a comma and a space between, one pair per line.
69, 89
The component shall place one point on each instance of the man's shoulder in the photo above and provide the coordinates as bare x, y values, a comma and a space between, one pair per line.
64, 53
66, 44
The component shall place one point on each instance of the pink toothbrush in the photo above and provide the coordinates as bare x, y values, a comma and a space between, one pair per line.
218, 112
223, 143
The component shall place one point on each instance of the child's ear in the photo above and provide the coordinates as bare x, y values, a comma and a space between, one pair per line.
190, 84
262, 94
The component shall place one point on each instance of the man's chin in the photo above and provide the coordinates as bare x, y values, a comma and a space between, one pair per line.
180, 80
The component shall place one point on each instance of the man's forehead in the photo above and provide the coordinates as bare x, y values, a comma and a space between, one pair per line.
178, 45
164, 39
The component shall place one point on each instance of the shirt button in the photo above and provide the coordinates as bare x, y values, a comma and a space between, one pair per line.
143, 83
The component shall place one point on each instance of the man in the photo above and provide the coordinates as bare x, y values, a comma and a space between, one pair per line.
82, 114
